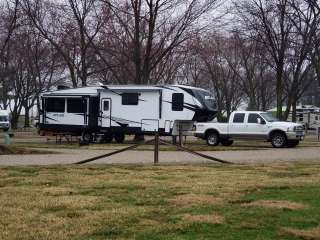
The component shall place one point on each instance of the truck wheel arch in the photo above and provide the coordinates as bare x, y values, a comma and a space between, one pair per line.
210, 131
275, 131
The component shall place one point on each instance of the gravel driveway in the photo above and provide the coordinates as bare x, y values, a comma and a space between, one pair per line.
68, 156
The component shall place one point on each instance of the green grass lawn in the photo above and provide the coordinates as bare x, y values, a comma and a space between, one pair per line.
160, 202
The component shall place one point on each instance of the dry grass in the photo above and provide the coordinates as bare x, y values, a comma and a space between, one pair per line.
213, 218
189, 200
307, 234
150, 202
277, 204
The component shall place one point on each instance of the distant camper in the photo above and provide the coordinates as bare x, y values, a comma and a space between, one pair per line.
113, 111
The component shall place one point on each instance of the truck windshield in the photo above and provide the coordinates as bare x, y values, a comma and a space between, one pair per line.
4, 119
269, 117
206, 99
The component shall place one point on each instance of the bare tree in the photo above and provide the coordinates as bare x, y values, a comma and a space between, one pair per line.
146, 32
70, 27
250, 65
9, 22
305, 19
268, 21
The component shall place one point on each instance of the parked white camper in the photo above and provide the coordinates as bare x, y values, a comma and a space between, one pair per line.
113, 111
4, 120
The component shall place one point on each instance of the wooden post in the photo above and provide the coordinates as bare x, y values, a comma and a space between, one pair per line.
156, 148
180, 135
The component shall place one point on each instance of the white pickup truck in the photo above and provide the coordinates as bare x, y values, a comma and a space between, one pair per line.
251, 125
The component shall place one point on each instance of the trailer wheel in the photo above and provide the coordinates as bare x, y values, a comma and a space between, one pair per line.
119, 137
107, 138
226, 142
278, 140
293, 143
86, 137
212, 138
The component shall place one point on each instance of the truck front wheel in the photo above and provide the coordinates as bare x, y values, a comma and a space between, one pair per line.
226, 142
212, 139
278, 140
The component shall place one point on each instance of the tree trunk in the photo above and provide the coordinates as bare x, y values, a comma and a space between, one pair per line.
27, 116
14, 120
294, 111
279, 93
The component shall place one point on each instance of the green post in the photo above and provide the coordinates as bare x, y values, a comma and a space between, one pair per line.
7, 139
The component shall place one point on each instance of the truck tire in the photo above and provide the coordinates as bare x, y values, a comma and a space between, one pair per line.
212, 138
278, 140
226, 142
293, 143
119, 137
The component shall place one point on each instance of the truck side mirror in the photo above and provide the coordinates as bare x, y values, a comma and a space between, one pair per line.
259, 120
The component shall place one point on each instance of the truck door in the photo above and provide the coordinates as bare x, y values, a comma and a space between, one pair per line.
237, 126
255, 128
105, 112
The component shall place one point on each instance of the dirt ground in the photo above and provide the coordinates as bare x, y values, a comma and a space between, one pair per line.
308, 151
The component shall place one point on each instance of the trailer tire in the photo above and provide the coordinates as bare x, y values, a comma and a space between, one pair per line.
212, 138
86, 137
107, 138
278, 139
119, 137
226, 142
293, 143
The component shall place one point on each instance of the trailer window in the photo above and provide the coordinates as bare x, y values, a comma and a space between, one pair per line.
177, 101
130, 98
238, 118
76, 105
55, 105
106, 106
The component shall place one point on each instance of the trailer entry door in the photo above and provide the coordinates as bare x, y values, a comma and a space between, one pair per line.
106, 112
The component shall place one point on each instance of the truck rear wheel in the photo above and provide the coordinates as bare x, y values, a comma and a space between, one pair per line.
119, 137
293, 143
212, 139
278, 140
226, 142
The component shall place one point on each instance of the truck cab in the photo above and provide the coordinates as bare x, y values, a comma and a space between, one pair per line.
4, 120
251, 125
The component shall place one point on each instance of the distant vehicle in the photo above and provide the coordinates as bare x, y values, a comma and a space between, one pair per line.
251, 125
113, 111
4, 120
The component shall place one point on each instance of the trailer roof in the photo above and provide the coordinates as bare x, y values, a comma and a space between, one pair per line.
93, 90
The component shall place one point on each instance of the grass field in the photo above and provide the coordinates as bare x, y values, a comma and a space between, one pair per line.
160, 202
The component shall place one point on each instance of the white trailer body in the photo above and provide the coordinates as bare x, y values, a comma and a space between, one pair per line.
126, 109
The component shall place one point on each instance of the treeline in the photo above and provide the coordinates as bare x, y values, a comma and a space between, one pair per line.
262, 53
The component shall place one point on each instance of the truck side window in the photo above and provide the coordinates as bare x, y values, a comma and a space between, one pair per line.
253, 118
130, 98
238, 118
177, 101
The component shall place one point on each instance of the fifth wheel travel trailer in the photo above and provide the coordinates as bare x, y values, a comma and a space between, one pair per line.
113, 111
